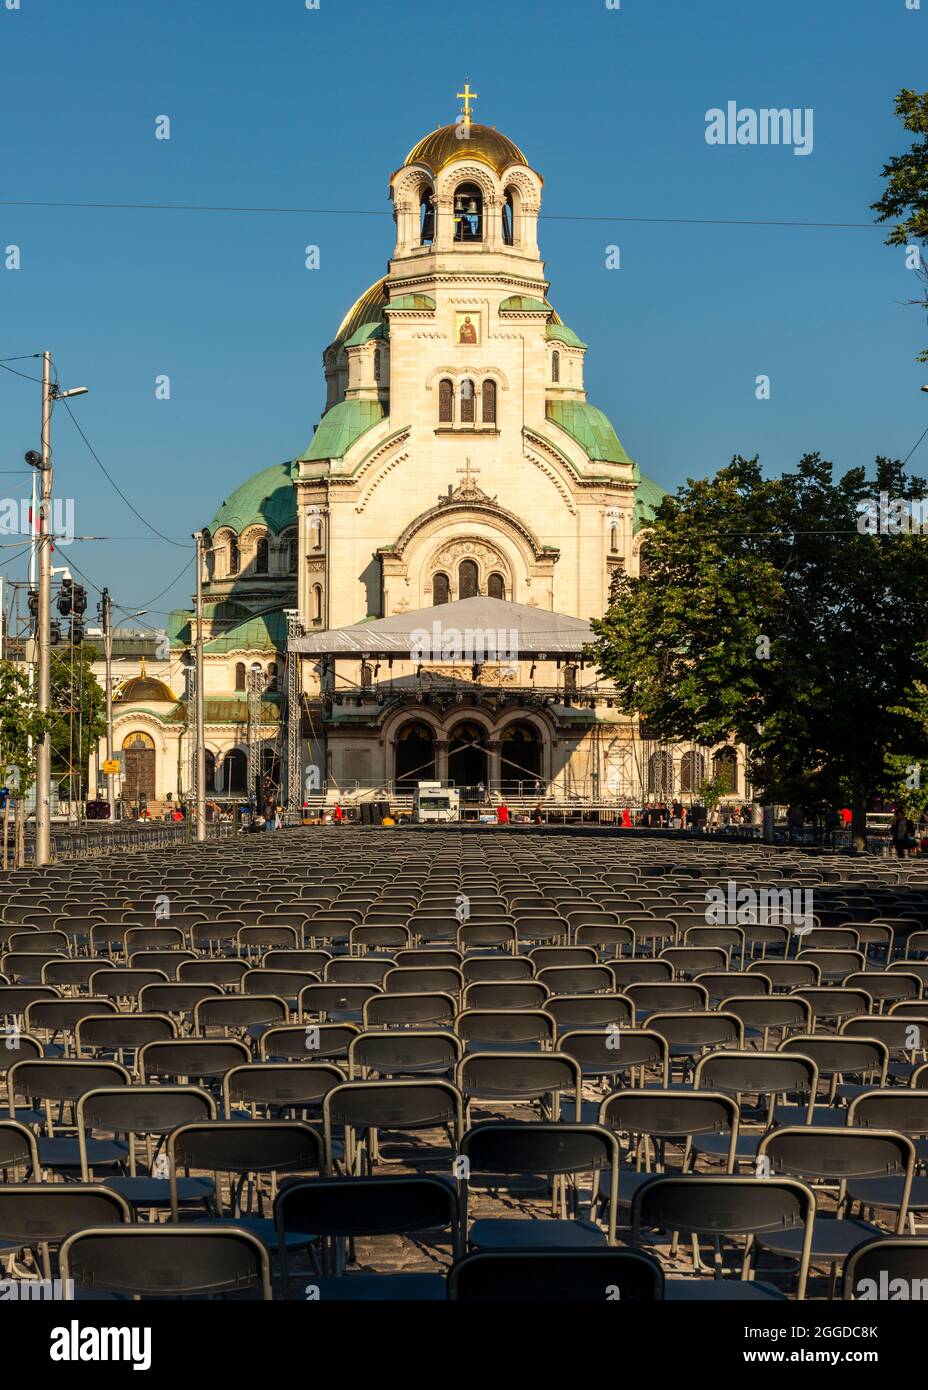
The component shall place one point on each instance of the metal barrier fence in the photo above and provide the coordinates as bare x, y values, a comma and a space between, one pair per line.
121, 837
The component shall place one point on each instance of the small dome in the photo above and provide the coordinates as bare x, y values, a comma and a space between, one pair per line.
267, 497
139, 690
443, 146
368, 309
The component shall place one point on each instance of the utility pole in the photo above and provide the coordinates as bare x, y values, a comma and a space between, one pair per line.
43, 747
200, 722
106, 614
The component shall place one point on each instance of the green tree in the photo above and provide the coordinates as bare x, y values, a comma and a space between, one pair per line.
710, 791
19, 721
78, 718
906, 195
769, 617
907, 773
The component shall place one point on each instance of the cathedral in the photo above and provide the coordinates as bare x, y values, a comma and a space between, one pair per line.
410, 597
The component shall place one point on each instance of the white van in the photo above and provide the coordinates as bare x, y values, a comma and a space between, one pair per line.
434, 803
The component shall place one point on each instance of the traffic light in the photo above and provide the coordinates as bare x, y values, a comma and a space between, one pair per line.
66, 597
55, 631
77, 630
34, 602
79, 599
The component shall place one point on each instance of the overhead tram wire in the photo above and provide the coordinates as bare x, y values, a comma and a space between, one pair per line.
135, 511
375, 212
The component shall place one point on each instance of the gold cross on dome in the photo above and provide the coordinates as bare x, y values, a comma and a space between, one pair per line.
467, 96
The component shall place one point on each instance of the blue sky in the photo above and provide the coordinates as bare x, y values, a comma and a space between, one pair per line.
272, 104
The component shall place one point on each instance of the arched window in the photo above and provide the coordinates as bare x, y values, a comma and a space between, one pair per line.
468, 400
660, 774
468, 579
441, 588
555, 366
414, 752
315, 533
445, 402
692, 771
508, 220
293, 553
211, 771
426, 217
317, 603
262, 552
376, 364
725, 768
240, 675
272, 676
614, 538
489, 402
233, 555
468, 213
496, 586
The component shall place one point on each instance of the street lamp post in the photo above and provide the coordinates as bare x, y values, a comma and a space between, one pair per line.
200, 707
43, 523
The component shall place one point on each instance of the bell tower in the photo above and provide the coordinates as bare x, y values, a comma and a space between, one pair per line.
466, 190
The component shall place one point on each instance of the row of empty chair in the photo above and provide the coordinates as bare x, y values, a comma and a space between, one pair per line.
352, 1063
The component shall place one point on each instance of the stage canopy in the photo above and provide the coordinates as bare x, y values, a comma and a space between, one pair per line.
528, 632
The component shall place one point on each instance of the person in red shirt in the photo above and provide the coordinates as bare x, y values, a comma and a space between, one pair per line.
846, 815
338, 814
502, 814
626, 819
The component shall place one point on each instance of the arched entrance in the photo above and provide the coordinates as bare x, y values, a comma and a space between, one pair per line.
235, 772
414, 755
520, 758
468, 757
139, 780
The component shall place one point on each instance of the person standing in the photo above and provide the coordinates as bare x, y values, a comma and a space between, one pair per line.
899, 832
537, 814
502, 814
338, 814
626, 819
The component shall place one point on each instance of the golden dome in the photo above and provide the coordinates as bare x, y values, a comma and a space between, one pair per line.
367, 309
140, 688
446, 144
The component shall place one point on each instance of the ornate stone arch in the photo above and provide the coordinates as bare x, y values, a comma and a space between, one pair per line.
488, 557
458, 173
419, 714
409, 182
457, 373
467, 714
524, 181
128, 724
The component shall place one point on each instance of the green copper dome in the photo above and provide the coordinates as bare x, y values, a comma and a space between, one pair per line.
266, 498
648, 497
340, 427
591, 429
